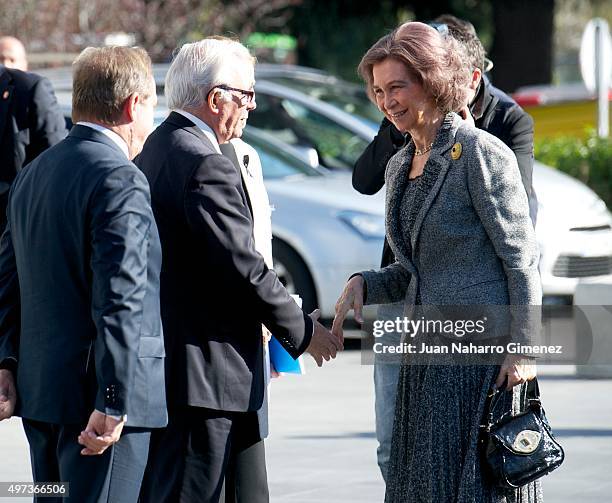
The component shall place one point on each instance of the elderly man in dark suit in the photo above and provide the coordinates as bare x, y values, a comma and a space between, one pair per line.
216, 289
30, 122
81, 343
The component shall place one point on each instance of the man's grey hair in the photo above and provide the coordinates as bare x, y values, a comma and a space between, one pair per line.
200, 66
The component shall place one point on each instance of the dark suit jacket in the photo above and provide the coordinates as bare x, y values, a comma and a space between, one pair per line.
30, 122
493, 111
79, 278
216, 290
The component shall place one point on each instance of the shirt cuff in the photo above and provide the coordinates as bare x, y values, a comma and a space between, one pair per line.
117, 418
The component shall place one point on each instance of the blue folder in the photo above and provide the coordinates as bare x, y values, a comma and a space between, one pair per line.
282, 361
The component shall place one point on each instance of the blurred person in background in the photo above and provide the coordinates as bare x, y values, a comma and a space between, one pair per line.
13, 54
216, 288
30, 122
458, 224
491, 110
81, 344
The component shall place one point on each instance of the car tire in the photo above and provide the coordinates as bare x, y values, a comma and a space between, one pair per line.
293, 274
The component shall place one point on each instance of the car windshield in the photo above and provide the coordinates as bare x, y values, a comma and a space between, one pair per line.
348, 97
304, 128
275, 162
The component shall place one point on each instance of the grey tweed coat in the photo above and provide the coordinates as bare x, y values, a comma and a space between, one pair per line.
472, 243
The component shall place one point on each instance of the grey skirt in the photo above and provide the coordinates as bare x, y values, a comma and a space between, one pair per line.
434, 453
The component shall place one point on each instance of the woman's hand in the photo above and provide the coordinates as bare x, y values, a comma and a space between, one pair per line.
517, 369
350, 298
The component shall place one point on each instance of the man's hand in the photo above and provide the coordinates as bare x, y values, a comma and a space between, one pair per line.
517, 369
323, 345
101, 432
350, 298
8, 394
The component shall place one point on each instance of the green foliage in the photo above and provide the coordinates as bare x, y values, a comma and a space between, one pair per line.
589, 159
335, 35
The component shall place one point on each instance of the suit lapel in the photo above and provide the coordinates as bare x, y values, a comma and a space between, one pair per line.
228, 150
443, 143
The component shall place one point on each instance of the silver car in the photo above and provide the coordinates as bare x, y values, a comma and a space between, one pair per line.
323, 230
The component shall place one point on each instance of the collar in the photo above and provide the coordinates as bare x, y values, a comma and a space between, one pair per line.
205, 128
481, 100
110, 134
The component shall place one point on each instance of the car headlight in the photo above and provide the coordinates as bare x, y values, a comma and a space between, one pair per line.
367, 225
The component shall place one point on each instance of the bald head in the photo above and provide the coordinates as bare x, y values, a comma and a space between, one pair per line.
13, 54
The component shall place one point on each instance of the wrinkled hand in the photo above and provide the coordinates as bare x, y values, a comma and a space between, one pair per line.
8, 394
350, 298
101, 432
517, 369
466, 115
323, 345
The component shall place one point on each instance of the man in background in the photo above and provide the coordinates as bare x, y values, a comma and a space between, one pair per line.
30, 118
13, 54
81, 344
491, 110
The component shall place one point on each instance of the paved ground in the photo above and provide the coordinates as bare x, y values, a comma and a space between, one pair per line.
322, 449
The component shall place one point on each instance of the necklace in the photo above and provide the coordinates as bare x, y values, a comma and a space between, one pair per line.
424, 151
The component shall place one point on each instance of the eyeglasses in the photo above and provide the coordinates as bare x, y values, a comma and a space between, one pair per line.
246, 98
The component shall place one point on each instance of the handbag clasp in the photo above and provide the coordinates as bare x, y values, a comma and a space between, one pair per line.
526, 441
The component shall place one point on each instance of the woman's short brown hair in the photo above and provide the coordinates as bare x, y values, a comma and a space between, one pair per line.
104, 77
433, 58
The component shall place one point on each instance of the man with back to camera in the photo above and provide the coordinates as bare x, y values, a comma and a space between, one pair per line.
493, 111
30, 118
81, 343
216, 290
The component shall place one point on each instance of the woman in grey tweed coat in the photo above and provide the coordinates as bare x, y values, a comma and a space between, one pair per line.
457, 219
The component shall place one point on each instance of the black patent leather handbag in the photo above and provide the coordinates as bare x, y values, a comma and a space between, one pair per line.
518, 449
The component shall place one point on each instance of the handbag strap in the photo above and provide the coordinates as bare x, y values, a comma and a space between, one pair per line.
532, 396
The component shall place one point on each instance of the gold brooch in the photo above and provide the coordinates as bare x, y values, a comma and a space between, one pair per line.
456, 151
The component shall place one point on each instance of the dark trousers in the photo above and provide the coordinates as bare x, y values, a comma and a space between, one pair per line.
112, 477
246, 479
207, 456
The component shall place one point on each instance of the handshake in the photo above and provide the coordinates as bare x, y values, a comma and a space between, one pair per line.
324, 344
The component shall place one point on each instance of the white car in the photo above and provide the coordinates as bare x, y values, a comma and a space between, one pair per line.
574, 231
